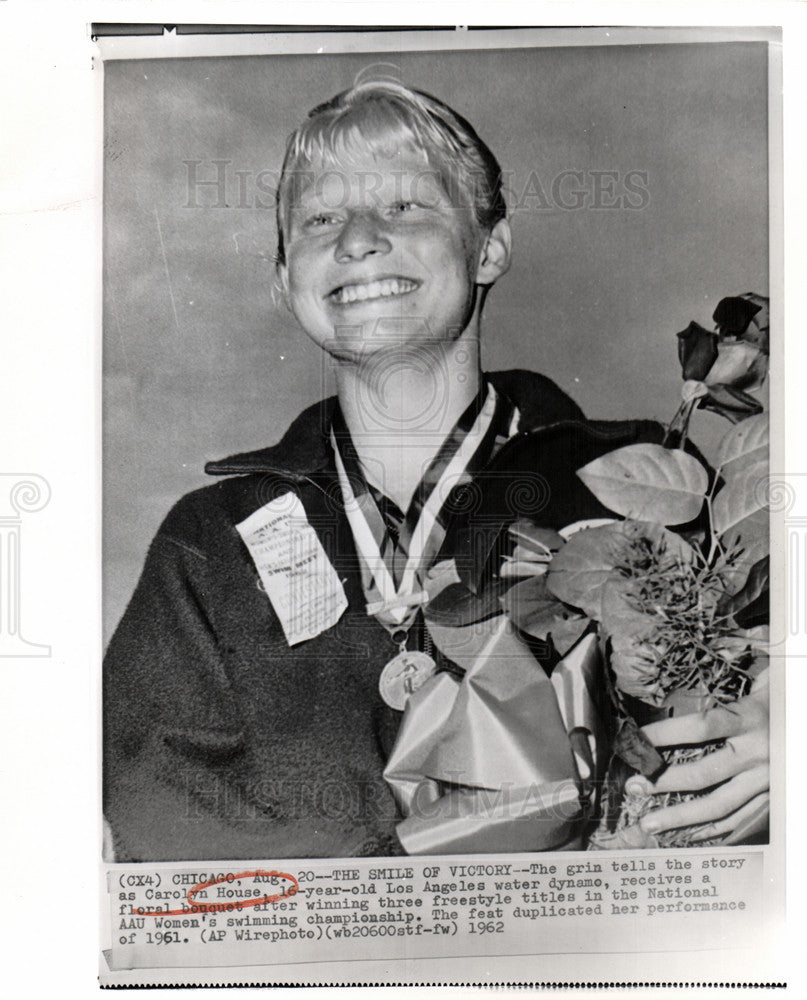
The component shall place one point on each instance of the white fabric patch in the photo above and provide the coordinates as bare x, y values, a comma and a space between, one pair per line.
297, 575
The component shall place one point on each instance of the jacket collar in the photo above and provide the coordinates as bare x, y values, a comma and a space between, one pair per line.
304, 448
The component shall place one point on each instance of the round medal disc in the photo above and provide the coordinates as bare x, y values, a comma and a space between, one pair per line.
403, 675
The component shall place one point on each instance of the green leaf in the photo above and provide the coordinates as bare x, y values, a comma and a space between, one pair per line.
582, 566
749, 537
632, 746
741, 498
533, 609
744, 445
750, 598
758, 640
740, 519
619, 614
648, 482
565, 632
636, 669
635, 658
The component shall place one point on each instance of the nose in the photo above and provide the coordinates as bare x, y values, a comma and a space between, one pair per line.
363, 234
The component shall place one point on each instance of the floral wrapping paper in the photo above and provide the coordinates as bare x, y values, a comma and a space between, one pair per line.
485, 763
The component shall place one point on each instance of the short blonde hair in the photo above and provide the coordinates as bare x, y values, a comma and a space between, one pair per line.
384, 116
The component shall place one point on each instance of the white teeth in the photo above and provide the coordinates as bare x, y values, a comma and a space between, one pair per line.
382, 289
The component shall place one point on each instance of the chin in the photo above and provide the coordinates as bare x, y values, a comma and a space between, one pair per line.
409, 330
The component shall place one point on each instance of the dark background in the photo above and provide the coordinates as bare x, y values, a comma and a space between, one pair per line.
200, 357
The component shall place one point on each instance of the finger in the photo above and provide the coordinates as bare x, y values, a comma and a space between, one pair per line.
742, 822
717, 804
734, 757
697, 727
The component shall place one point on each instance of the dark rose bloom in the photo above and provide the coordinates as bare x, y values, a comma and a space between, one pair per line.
734, 314
758, 331
697, 351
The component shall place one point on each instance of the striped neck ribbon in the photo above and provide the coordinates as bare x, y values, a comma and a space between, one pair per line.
396, 549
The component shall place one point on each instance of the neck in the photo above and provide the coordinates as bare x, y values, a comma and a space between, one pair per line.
399, 407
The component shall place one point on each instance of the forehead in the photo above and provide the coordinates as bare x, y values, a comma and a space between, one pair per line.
367, 174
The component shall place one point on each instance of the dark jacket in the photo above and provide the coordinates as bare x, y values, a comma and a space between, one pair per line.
221, 741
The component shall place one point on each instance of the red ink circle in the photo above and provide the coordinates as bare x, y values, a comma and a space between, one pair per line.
228, 907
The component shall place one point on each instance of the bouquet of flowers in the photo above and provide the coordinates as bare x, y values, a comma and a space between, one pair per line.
670, 594
679, 587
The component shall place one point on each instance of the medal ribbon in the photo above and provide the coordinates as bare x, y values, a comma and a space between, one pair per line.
463, 453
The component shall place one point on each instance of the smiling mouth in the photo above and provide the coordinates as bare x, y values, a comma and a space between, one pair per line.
384, 288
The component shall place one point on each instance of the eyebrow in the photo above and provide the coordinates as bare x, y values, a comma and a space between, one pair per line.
404, 181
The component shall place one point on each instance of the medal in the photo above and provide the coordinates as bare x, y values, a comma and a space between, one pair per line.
395, 604
403, 675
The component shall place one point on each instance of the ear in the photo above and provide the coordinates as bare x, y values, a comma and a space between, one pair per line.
494, 258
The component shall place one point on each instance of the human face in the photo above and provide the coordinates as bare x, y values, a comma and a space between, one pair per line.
377, 255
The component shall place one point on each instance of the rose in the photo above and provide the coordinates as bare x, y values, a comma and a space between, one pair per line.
697, 351
730, 402
736, 355
744, 317
721, 367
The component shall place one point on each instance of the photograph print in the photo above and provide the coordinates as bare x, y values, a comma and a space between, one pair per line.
436, 451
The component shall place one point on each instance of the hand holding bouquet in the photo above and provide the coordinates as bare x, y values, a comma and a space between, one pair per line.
679, 592
674, 592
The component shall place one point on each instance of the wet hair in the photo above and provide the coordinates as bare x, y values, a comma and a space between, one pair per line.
385, 117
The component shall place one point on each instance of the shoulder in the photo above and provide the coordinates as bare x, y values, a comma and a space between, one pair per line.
203, 519
539, 400
545, 407
301, 450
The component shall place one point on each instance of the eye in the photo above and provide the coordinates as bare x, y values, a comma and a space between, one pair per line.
401, 208
320, 221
